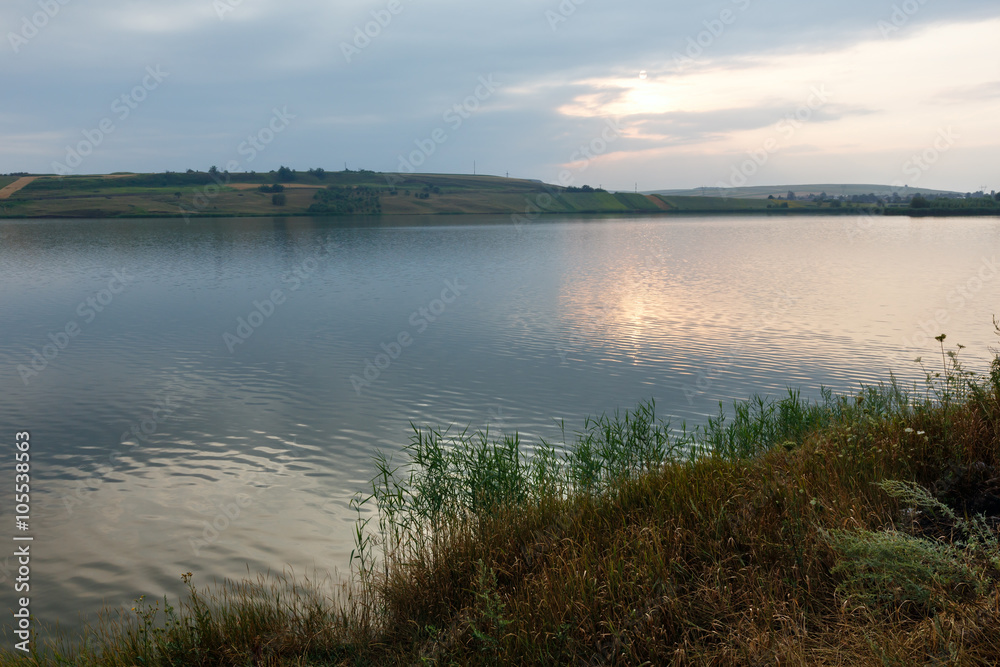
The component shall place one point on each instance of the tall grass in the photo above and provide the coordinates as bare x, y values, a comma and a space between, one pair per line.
786, 496
854, 530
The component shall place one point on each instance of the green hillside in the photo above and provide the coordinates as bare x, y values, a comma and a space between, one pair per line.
317, 192
637, 201
831, 189
706, 204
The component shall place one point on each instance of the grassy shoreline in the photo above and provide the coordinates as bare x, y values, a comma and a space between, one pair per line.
856, 530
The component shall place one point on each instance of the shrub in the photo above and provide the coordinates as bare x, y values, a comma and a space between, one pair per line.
889, 570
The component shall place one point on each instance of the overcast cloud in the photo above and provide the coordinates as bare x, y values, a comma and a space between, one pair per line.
822, 91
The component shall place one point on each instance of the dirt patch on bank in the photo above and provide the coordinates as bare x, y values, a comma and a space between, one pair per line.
16, 185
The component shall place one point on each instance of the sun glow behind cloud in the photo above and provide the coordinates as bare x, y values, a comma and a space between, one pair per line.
869, 87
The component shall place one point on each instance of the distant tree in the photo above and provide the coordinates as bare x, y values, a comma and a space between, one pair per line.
790, 196
213, 170
318, 172
335, 200
285, 174
279, 199
190, 171
770, 196
919, 201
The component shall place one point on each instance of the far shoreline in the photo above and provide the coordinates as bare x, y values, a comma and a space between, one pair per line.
940, 213
317, 193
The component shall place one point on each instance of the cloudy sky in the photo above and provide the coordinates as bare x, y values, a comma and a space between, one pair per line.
619, 93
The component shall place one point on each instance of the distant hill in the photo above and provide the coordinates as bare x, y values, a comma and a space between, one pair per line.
317, 192
831, 189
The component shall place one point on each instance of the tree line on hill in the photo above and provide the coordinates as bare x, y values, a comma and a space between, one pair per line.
971, 200
983, 201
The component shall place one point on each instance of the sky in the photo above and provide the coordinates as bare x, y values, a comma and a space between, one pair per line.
618, 94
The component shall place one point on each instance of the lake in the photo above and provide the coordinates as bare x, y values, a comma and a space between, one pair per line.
206, 396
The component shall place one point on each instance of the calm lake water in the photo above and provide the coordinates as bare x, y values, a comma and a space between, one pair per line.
170, 373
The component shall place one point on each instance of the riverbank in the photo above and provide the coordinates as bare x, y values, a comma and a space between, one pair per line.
860, 530
316, 192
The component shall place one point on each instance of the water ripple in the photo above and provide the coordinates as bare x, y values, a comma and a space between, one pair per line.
165, 451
